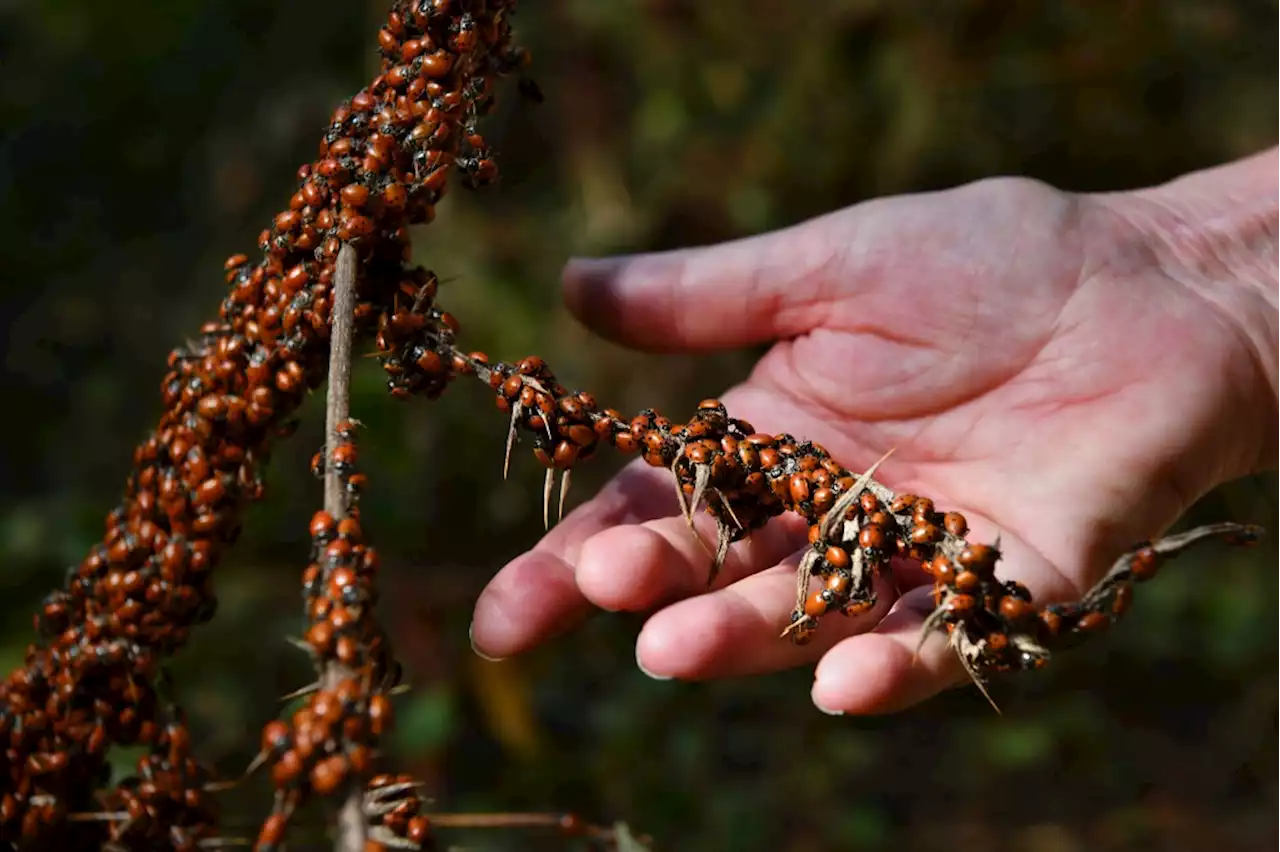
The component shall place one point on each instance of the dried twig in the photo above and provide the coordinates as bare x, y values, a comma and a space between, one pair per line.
351, 822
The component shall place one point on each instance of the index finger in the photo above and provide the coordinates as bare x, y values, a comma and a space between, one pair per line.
536, 595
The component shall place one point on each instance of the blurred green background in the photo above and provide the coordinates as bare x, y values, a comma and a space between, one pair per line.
143, 142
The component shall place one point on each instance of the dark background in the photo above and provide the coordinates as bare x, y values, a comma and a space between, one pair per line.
143, 142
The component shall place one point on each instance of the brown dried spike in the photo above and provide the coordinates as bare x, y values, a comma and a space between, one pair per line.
848, 498
803, 572
724, 537
797, 626
931, 623
564, 492
516, 411
701, 476
685, 511
548, 483
728, 507
968, 655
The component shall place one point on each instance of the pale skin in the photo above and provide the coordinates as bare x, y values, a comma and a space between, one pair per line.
1069, 371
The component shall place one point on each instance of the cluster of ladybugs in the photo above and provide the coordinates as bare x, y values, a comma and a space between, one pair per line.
165, 805
132, 601
382, 166
856, 525
411, 337
330, 742
169, 803
395, 813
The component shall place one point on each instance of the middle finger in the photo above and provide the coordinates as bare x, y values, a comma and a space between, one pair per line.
735, 631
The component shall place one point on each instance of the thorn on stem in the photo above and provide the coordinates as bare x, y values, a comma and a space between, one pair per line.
516, 410
548, 483
564, 493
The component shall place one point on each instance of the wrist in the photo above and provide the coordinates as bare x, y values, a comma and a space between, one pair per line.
1214, 233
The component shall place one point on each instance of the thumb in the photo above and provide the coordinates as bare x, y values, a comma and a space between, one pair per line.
733, 294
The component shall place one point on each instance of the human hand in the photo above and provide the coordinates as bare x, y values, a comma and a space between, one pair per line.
1069, 371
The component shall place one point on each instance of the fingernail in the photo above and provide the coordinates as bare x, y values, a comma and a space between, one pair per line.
648, 673
481, 654
828, 711
593, 271
588, 292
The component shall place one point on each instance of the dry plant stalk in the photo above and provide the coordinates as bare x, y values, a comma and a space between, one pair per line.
333, 265
347, 762
351, 823
93, 680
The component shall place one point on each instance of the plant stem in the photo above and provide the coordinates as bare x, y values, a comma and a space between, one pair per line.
351, 822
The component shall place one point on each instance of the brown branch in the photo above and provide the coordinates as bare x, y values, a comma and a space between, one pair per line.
351, 821
338, 401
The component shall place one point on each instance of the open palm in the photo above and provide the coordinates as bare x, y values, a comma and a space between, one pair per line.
1032, 365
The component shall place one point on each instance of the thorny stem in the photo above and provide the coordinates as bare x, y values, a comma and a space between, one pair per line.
338, 401
983, 638
351, 822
